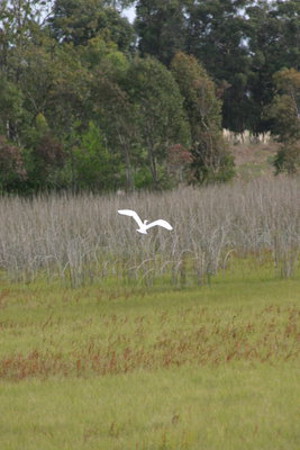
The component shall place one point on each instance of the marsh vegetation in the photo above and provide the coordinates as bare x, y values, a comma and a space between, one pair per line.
81, 239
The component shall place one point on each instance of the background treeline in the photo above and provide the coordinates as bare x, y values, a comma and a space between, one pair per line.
89, 101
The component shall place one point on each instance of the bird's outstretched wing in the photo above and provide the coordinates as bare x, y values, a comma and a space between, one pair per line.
161, 223
131, 213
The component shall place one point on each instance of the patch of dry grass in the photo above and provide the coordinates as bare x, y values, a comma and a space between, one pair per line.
82, 239
86, 333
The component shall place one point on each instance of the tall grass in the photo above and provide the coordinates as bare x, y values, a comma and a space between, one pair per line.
82, 238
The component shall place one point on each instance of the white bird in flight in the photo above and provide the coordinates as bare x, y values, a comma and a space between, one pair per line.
144, 226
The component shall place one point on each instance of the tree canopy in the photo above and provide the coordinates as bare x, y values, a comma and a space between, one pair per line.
90, 101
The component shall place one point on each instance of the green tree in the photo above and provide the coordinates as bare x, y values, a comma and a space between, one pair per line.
11, 109
95, 167
78, 21
45, 157
116, 114
20, 23
211, 161
159, 113
217, 33
55, 83
273, 43
69, 96
12, 167
110, 106
284, 112
241, 44
161, 28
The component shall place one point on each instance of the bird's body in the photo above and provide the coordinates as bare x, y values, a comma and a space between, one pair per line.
144, 225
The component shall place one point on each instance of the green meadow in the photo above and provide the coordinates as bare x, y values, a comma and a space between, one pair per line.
122, 367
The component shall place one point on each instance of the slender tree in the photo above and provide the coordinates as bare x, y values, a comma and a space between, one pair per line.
284, 112
159, 113
211, 161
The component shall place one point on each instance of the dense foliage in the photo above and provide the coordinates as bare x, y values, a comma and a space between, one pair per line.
89, 101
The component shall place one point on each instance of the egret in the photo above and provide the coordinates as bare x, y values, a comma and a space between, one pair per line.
144, 226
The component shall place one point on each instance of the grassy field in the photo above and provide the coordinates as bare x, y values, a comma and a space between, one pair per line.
106, 367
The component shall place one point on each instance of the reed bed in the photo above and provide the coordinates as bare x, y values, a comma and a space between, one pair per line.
81, 239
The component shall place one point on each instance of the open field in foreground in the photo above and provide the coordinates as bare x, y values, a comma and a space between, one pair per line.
215, 367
